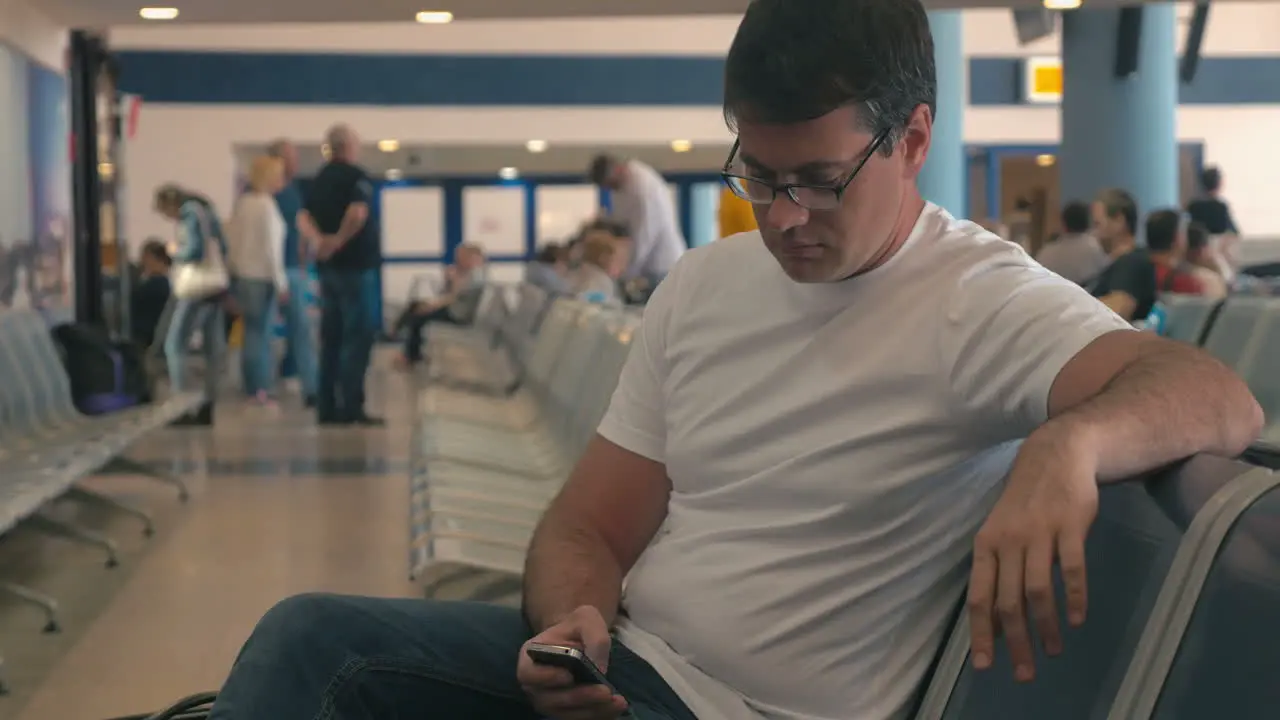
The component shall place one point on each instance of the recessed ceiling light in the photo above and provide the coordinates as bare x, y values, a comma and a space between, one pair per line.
1061, 4
508, 173
434, 17
388, 146
1045, 160
158, 13
536, 146
681, 146
394, 174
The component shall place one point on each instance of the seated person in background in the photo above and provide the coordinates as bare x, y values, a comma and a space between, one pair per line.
1075, 254
550, 269
150, 296
1128, 285
1210, 210
1202, 264
464, 284
603, 261
1167, 247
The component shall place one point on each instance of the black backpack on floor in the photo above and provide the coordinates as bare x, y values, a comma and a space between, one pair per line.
105, 376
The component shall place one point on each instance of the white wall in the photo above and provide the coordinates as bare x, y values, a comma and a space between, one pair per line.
193, 144
26, 28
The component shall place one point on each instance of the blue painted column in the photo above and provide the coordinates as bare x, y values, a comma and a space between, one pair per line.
1119, 132
942, 180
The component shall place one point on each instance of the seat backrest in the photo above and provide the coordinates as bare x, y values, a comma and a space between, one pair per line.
50, 384
1129, 552
1224, 664
1260, 368
1188, 316
1232, 333
550, 342
598, 391
584, 341
518, 330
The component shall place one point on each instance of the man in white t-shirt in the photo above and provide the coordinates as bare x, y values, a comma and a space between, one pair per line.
818, 423
641, 200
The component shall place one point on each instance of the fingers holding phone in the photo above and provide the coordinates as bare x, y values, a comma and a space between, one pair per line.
562, 669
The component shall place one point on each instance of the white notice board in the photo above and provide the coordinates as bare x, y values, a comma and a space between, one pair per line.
412, 221
494, 217
562, 209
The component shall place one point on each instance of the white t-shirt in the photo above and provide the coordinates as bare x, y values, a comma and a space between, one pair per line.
644, 205
833, 448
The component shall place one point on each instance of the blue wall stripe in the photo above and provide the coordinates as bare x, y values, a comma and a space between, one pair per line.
228, 77
1219, 81
433, 80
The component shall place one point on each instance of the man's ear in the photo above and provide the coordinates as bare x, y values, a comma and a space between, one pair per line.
915, 142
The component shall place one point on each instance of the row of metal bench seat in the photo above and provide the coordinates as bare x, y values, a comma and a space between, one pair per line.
1184, 563
47, 446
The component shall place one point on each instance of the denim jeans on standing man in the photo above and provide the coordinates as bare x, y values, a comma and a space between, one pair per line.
330, 657
347, 333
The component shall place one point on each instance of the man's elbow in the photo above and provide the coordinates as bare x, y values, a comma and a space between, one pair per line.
1246, 425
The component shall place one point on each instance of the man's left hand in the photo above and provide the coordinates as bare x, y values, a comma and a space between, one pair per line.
1048, 504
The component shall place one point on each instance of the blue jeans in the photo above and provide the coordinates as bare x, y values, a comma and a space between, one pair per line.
347, 333
257, 299
300, 342
188, 316
329, 657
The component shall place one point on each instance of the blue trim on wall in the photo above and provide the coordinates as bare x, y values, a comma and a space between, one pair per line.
497, 80
1219, 81
310, 78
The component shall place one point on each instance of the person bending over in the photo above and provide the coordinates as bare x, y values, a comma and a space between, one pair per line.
817, 425
464, 286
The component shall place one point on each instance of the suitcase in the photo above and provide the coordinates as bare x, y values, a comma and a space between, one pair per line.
195, 707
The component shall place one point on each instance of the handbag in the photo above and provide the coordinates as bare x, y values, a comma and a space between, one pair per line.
208, 276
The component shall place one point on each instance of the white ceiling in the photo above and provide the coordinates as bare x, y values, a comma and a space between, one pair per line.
462, 160
103, 13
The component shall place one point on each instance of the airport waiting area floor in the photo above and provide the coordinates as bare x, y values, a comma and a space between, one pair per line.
278, 506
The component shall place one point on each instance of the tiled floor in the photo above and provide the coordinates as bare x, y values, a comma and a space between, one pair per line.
278, 507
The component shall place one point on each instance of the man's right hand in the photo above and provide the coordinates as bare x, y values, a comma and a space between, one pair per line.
553, 690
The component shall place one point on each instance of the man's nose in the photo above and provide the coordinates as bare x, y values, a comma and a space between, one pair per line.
783, 213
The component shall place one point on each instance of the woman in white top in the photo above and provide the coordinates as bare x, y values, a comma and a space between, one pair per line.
255, 258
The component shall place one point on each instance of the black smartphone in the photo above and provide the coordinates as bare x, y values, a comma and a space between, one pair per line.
572, 659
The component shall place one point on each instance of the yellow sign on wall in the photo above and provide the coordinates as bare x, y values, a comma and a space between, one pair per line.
1042, 79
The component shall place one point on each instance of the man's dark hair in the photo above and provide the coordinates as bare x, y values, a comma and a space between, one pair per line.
1162, 230
1075, 218
1211, 179
1117, 202
156, 249
1197, 236
601, 168
797, 60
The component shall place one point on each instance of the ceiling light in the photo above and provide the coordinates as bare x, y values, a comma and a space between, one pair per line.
508, 173
536, 146
1061, 4
394, 174
158, 13
1045, 160
388, 146
434, 17
681, 145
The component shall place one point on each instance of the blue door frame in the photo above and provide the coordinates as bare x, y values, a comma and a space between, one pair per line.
993, 154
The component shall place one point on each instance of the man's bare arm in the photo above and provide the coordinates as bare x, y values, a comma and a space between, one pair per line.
353, 220
307, 228
1136, 401
594, 531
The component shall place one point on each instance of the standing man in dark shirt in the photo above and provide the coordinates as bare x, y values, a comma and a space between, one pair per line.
297, 320
335, 221
1128, 285
1210, 209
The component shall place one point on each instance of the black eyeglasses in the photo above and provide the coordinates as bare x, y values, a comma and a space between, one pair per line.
810, 197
